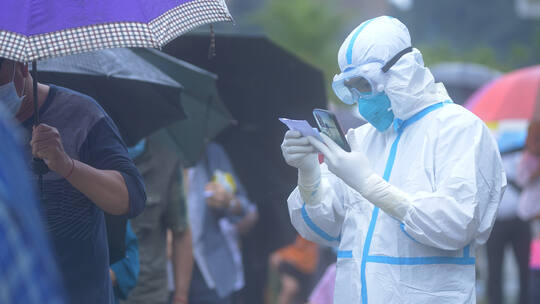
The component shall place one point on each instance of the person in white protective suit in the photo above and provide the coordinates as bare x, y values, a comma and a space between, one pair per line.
420, 189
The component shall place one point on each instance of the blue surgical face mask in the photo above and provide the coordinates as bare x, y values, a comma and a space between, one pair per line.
137, 150
376, 110
9, 97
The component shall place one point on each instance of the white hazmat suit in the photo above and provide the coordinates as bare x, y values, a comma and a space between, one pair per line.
408, 206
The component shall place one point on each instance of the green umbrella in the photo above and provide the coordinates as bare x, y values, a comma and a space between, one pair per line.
206, 114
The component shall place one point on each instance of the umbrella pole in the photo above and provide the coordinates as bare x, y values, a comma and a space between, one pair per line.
212, 48
38, 165
206, 139
35, 93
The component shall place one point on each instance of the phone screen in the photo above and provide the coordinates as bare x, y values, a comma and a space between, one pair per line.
329, 125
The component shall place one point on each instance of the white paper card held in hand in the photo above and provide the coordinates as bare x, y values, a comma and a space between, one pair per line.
302, 126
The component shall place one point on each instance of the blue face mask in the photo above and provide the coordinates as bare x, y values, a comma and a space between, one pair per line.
137, 150
376, 110
9, 97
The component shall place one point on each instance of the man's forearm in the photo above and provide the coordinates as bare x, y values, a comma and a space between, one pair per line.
105, 188
182, 258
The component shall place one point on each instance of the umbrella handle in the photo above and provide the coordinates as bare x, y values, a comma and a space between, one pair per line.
38, 165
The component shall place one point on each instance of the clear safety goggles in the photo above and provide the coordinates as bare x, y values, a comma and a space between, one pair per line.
354, 82
363, 81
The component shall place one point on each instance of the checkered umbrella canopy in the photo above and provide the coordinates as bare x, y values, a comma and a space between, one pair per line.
38, 29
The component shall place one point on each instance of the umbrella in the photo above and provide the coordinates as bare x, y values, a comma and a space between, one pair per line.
31, 30
462, 79
207, 116
259, 82
507, 104
512, 96
38, 29
124, 85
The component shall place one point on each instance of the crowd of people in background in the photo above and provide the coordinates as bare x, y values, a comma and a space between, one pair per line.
183, 242
517, 223
182, 228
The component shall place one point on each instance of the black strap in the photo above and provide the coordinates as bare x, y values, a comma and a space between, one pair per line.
206, 161
514, 185
394, 59
518, 149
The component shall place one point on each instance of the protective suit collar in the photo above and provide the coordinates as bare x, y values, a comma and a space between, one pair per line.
400, 125
436, 93
411, 86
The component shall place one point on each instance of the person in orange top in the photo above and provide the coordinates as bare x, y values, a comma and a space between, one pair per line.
295, 264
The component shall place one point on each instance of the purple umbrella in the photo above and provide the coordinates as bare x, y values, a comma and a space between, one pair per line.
31, 30
37, 29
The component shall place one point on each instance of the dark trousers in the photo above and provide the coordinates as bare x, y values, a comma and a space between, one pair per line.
534, 286
516, 232
200, 293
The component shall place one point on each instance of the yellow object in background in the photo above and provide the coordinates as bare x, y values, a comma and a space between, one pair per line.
225, 179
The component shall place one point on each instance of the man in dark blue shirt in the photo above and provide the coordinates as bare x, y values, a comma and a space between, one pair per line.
91, 173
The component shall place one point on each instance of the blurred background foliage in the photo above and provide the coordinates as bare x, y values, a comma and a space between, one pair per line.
487, 32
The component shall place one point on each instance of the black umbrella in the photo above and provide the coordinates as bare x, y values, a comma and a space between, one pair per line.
207, 115
259, 82
138, 96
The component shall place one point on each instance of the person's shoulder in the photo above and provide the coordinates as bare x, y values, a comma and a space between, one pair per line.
77, 102
456, 121
456, 116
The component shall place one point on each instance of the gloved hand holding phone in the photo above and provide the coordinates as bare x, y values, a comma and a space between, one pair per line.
355, 170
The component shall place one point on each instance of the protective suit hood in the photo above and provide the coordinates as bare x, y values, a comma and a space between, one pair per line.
409, 84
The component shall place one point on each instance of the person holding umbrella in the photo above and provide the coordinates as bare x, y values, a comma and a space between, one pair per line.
90, 169
90, 173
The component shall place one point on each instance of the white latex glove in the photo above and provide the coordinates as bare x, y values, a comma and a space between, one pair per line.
352, 167
299, 153
355, 170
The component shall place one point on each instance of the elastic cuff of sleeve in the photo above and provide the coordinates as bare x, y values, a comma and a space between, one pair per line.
310, 193
309, 179
310, 197
387, 197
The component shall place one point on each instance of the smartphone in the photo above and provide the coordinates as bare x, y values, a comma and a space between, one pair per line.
329, 126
